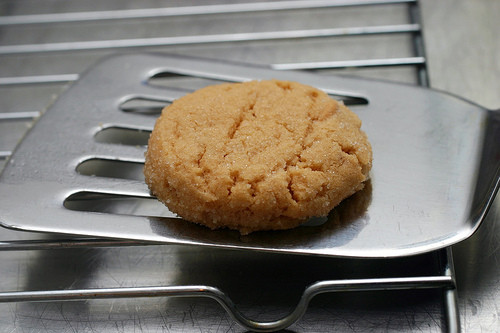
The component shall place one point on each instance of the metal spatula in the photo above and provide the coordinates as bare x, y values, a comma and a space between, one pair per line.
78, 171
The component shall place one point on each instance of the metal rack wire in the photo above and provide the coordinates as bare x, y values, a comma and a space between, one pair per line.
444, 280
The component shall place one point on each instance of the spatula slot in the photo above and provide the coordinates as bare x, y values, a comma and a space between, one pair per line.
349, 100
144, 106
181, 82
111, 169
122, 135
116, 204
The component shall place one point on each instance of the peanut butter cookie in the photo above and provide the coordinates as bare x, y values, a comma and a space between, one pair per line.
259, 155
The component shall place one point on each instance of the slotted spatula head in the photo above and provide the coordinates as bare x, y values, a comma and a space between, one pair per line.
78, 171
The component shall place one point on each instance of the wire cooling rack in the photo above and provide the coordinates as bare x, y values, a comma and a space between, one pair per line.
443, 279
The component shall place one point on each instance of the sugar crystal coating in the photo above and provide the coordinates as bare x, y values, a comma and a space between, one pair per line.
259, 155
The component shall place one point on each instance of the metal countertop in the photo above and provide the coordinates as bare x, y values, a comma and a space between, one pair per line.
462, 48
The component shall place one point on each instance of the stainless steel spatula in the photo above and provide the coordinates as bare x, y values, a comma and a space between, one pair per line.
78, 171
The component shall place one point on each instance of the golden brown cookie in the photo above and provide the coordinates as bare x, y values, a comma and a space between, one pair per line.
259, 155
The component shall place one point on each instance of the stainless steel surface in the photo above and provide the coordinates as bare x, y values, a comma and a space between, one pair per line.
462, 46
463, 29
442, 158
